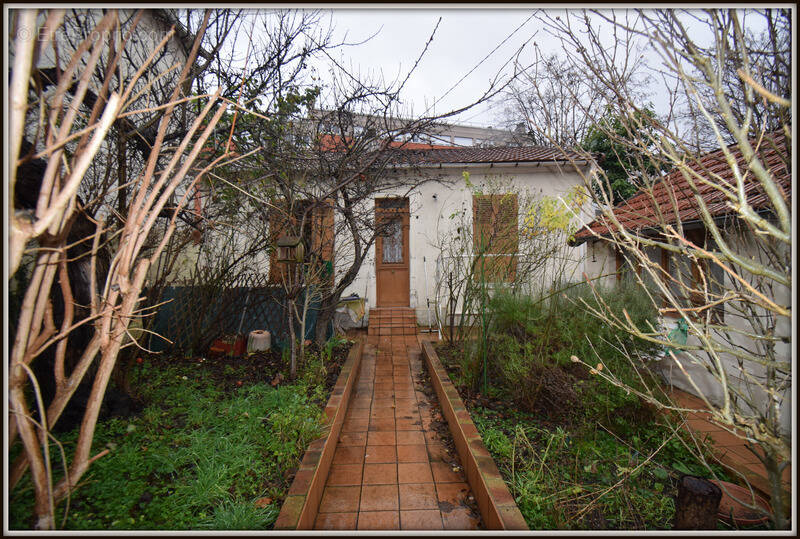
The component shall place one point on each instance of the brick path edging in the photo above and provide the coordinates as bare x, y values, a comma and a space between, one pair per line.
497, 506
300, 507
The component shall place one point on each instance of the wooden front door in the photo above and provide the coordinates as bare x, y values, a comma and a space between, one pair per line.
393, 282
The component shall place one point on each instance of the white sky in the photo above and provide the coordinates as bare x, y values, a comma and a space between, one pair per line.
463, 39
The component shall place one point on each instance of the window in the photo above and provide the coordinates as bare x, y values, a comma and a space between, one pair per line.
392, 234
695, 283
496, 235
687, 279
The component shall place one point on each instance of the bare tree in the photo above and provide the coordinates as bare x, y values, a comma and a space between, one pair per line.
74, 132
325, 152
709, 234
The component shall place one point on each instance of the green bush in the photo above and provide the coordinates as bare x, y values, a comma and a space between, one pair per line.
532, 340
197, 457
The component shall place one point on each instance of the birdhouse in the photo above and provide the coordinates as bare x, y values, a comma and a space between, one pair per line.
290, 249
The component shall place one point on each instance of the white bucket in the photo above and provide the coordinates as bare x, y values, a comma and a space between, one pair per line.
258, 341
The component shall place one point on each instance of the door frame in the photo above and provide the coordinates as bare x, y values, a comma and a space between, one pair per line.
381, 267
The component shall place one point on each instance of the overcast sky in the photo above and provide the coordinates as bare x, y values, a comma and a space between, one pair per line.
470, 47
462, 41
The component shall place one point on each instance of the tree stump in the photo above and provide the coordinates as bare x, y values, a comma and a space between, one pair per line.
697, 504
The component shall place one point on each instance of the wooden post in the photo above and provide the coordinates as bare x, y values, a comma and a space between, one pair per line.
697, 504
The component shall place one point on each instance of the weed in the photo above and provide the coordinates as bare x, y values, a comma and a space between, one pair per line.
198, 456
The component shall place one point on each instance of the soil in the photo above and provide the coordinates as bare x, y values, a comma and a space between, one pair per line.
439, 425
231, 372
550, 394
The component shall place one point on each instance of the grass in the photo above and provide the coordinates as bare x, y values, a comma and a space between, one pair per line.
575, 451
199, 456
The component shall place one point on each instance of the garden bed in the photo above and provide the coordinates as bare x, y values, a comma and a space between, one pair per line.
216, 445
575, 451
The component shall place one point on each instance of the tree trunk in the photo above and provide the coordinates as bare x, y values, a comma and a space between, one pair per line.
326, 309
292, 342
778, 495
697, 504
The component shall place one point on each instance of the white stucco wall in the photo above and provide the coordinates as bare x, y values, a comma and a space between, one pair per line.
431, 205
698, 380
750, 374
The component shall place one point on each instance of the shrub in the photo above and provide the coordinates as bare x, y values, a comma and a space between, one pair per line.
532, 339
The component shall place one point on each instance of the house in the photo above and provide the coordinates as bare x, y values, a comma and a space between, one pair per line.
673, 200
472, 188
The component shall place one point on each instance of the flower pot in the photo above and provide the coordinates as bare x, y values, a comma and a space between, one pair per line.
732, 511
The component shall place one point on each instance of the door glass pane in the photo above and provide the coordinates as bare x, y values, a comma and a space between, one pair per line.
393, 242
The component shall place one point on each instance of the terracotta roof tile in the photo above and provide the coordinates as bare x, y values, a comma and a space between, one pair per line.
639, 212
494, 154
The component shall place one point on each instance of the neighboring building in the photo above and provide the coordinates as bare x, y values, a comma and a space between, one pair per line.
639, 215
440, 134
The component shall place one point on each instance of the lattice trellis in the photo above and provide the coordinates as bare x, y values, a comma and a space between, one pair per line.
195, 315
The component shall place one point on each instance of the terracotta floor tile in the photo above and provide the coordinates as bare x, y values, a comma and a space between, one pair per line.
382, 477
437, 452
459, 518
344, 474
340, 499
361, 403
355, 425
452, 493
412, 453
379, 498
443, 473
418, 496
432, 437
357, 413
379, 520
414, 472
383, 403
380, 474
425, 519
349, 454
406, 410
381, 438
410, 437
703, 426
381, 424
410, 415
353, 438
336, 521
377, 454
408, 424
382, 413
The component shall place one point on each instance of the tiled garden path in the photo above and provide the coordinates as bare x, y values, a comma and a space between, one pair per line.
729, 449
390, 469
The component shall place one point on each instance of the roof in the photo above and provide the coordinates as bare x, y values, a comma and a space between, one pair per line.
493, 154
639, 212
423, 154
